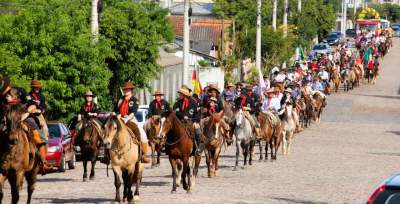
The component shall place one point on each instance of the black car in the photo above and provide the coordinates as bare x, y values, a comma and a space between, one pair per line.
351, 33
388, 192
333, 39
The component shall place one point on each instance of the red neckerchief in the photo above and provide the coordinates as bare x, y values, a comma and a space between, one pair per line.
158, 104
88, 107
269, 102
124, 107
212, 109
185, 104
14, 102
243, 102
36, 98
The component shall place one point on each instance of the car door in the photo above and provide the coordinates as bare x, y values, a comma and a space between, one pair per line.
67, 142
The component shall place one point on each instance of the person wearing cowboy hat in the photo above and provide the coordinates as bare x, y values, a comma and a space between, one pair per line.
271, 102
238, 89
213, 91
37, 96
186, 110
126, 108
158, 105
229, 94
287, 97
89, 108
247, 104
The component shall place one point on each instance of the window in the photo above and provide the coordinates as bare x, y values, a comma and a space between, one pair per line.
54, 131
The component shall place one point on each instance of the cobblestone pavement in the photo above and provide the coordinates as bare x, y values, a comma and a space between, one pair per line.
339, 160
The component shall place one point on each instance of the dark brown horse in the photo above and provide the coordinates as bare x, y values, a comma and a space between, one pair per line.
90, 144
269, 133
155, 140
309, 113
179, 145
215, 135
18, 155
320, 103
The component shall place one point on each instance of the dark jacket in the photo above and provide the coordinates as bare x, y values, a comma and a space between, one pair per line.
219, 108
133, 105
284, 99
154, 110
247, 103
190, 111
39, 101
85, 112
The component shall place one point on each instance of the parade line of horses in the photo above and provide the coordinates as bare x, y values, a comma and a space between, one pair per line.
20, 154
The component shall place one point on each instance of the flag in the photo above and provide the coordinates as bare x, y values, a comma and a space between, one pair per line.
196, 83
299, 54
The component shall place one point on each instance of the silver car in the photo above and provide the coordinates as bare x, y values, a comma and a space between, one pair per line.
321, 48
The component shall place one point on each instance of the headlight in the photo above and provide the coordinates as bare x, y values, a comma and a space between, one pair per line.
54, 149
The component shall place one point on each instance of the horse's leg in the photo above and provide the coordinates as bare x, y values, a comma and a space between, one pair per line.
30, 177
290, 136
173, 166
217, 153
2, 180
208, 162
158, 155
92, 174
266, 149
260, 147
284, 145
179, 168
245, 150
137, 178
251, 150
185, 164
237, 154
188, 175
153, 154
197, 160
125, 181
14, 180
117, 182
84, 169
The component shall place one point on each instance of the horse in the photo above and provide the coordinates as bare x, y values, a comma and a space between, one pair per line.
310, 109
90, 144
155, 141
180, 145
300, 109
320, 103
359, 71
349, 80
244, 138
269, 133
124, 150
288, 128
336, 79
19, 156
229, 118
215, 134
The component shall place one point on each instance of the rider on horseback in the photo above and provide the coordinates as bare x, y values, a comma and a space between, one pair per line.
156, 108
247, 104
88, 110
228, 94
127, 108
186, 110
14, 95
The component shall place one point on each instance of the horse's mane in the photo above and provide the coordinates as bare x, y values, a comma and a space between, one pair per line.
13, 116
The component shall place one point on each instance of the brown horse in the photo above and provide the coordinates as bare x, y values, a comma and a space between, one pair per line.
215, 134
124, 151
269, 133
90, 144
336, 79
309, 111
229, 117
180, 147
155, 140
320, 103
18, 155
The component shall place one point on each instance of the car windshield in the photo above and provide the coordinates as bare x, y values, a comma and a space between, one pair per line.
396, 28
139, 116
351, 31
319, 47
54, 131
333, 35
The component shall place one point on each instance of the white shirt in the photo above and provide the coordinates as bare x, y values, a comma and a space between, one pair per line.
274, 104
280, 78
324, 75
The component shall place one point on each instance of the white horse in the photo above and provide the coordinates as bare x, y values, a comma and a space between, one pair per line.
288, 128
244, 138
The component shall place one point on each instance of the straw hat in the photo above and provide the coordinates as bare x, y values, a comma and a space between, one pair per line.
36, 84
89, 93
184, 92
158, 93
186, 87
213, 87
213, 99
128, 85
270, 90
288, 90
239, 84
230, 85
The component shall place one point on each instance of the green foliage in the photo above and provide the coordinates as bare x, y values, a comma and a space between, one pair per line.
135, 32
389, 11
50, 40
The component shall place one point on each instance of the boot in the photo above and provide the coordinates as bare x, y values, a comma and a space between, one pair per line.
145, 147
199, 145
44, 166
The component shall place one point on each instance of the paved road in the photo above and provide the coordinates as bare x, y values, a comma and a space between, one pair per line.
339, 160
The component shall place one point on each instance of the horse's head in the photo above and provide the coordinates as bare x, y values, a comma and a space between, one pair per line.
87, 132
166, 123
110, 130
239, 117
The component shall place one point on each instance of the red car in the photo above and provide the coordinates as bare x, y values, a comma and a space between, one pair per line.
60, 151
388, 192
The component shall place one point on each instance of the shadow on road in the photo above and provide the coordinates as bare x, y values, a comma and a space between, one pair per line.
394, 132
378, 96
51, 180
299, 201
155, 183
384, 153
75, 200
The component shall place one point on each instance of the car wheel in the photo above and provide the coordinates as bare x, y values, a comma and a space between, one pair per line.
72, 162
62, 164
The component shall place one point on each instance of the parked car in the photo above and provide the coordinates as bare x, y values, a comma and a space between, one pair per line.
351, 33
387, 192
60, 152
340, 34
333, 39
396, 31
321, 48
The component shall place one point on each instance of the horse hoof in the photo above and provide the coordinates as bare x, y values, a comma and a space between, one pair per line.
243, 167
85, 180
234, 169
91, 178
136, 198
173, 191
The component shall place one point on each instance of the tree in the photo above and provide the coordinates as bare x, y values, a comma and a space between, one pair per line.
50, 40
135, 31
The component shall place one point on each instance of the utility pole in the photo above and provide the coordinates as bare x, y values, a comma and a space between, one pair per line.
186, 43
299, 5
345, 19
355, 10
258, 39
94, 21
274, 11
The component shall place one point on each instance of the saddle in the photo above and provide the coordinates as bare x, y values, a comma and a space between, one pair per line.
273, 119
188, 125
135, 130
